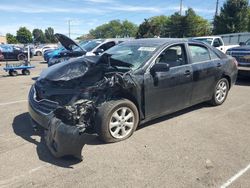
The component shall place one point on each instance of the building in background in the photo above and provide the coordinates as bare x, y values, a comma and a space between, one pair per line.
3, 39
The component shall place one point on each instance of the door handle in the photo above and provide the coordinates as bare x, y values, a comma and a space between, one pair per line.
218, 64
187, 73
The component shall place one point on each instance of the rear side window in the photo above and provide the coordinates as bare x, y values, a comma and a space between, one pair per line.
199, 53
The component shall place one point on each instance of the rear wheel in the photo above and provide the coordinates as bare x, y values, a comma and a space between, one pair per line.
220, 92
25, 72
116, 120
38, 53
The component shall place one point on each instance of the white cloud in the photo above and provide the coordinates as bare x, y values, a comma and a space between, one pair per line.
100, 1
129, 8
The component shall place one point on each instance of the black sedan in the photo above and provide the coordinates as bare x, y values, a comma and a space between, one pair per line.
11, 52
130, 84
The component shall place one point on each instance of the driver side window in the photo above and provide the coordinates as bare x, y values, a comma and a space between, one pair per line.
174, 56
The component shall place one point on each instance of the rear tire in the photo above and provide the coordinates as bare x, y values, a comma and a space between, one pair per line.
116, 120
25, 72
38, 53
220, 92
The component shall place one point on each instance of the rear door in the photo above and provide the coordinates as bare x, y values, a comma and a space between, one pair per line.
206, 67
167, 92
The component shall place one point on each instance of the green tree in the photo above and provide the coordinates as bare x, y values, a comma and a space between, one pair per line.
153, 27
23, 35
233, 17
11, 39
38, 36
49, 35
114, 29
189, 25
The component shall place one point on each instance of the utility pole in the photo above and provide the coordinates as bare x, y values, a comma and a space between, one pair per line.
181, 2
69, 27
217, 8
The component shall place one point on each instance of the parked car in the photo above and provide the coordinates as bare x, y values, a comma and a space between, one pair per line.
216, 42
1, 56
242, 55
39, 50
91, 48
50, 54
129, 84
11, 52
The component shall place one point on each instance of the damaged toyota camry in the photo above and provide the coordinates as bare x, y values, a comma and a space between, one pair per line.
128, 85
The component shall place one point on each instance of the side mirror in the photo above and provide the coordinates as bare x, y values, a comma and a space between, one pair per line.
159, 67
242, 44
99, 51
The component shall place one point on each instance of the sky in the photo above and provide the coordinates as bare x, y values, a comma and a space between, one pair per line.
88, 14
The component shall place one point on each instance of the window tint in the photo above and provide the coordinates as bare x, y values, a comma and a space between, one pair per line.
217, 42
174, 56
199, 53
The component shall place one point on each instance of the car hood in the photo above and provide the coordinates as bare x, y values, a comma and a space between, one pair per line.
240, 48
69, 70
66, 42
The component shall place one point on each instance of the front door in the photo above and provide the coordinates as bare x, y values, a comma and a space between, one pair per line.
169, 91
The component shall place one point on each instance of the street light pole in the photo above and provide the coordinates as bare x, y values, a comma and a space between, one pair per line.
181, 2
69, 27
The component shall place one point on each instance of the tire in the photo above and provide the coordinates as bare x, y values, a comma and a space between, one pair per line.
21, 57
220, 92
115, 112
25, 72
38, 53
13, 73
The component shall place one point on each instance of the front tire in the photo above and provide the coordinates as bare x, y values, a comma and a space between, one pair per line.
116, 120
220, 92
21, 57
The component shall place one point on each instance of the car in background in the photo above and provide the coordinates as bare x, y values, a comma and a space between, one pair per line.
91, 48
1, 56
55, 53
216, 42
39, 50
11, 52
129, 84
242, 55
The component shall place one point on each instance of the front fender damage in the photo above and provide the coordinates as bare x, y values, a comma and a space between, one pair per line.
69, 125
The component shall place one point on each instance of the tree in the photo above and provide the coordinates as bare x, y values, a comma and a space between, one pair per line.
233, 17
11, 39
189, 25
38, 36
49, 34
153, 27
114, 29
23, 35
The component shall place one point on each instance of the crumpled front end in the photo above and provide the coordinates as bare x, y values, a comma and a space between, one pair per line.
67, 123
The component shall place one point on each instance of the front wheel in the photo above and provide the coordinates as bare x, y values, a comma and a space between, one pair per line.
21, 57
116, 120
220, 92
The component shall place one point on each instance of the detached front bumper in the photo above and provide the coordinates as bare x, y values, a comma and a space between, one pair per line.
61, 139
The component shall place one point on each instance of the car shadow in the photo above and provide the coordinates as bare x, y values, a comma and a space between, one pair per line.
243, 81
22, 127
173, 115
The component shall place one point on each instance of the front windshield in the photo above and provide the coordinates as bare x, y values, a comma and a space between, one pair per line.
135, 54
207, 40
